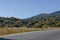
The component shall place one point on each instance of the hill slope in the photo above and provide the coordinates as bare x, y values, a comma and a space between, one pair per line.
44, 15
41, 20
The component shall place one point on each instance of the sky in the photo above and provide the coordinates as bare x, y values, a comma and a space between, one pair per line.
27, 8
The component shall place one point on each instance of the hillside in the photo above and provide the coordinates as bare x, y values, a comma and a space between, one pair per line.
44, 15
38, 21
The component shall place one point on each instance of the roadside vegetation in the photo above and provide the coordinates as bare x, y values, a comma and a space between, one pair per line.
5, 31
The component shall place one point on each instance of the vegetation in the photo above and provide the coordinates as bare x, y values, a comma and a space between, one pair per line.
39, 21
6, 31
44, 21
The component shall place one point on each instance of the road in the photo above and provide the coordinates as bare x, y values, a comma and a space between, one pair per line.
39, 35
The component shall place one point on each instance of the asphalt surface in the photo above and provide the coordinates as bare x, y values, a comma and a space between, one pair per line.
40, 35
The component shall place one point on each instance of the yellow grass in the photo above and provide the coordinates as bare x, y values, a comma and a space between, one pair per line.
5, 31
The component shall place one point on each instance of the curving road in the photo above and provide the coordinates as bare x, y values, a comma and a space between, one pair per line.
40, 35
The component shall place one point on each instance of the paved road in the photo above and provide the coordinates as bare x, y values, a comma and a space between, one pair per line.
40, 35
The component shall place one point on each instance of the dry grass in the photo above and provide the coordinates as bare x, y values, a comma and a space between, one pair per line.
55, 28
5, 31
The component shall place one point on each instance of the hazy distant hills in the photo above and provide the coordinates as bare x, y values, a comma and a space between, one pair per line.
37, 17
38, 21
44, 15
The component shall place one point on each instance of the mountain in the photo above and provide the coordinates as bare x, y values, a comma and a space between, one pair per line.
38, 21
57, 13
37, 17
43, 16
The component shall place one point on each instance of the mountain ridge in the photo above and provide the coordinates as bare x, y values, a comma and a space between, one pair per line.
45, 14
38, 21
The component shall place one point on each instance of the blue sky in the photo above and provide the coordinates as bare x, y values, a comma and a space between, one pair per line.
27, 8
